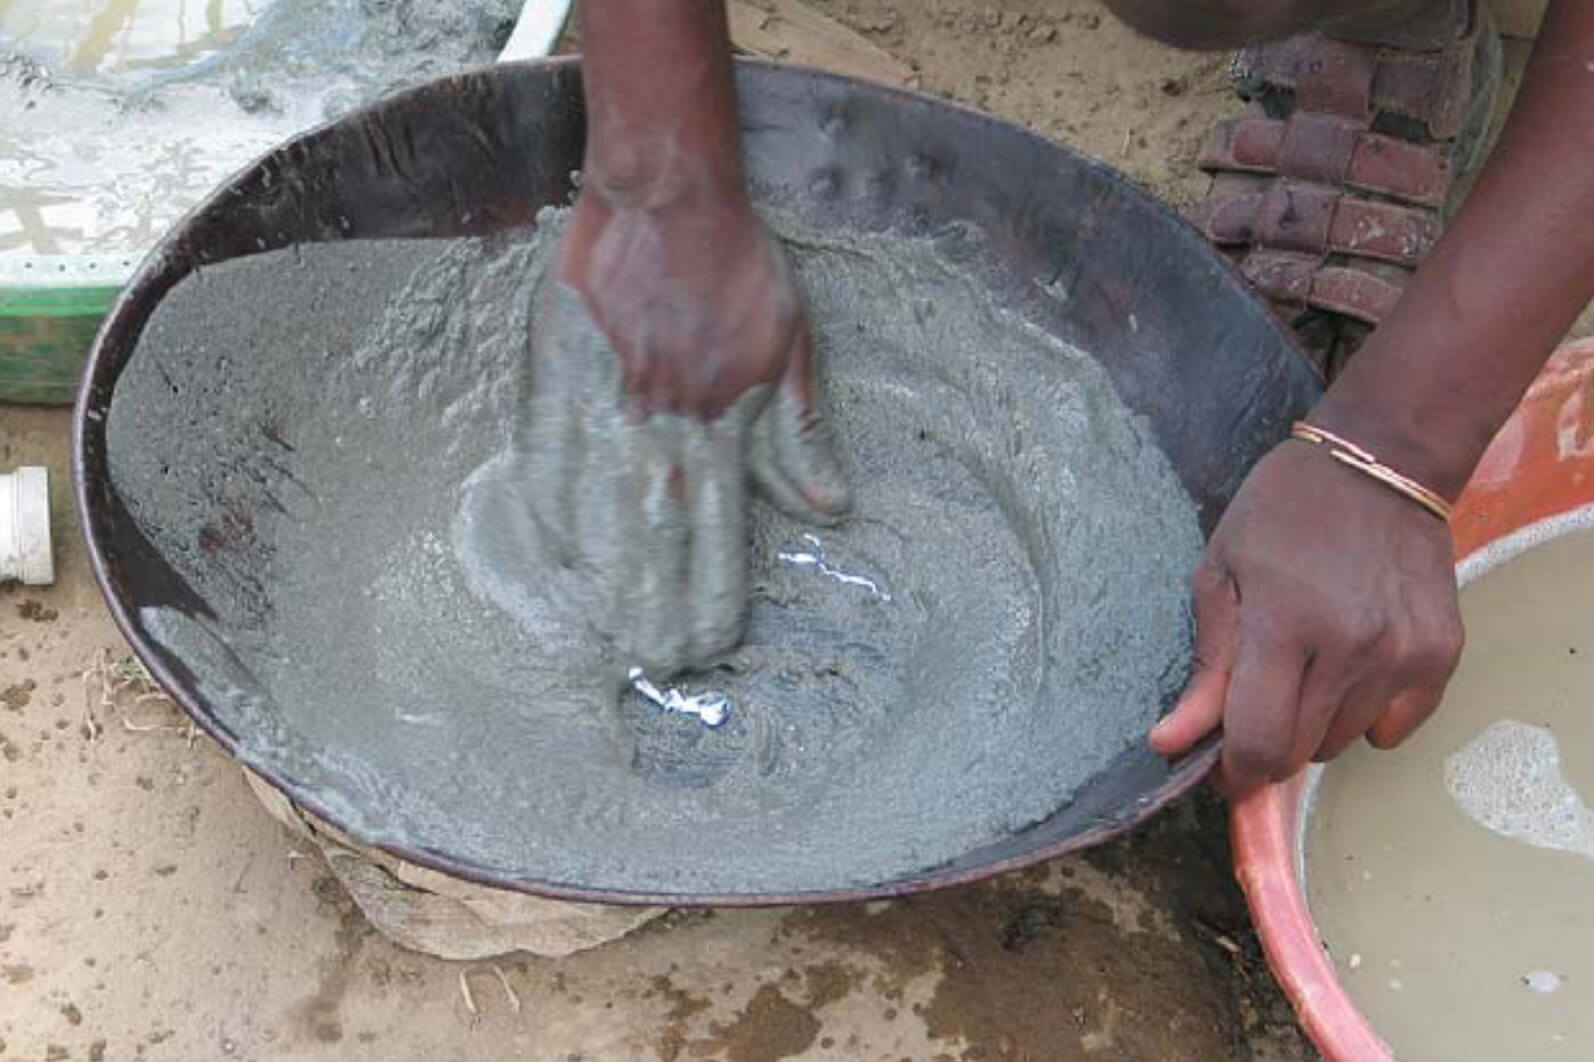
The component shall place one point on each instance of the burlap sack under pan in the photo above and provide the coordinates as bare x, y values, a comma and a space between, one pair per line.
440, 915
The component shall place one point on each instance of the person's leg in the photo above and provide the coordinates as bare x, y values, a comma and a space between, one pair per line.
1227, 24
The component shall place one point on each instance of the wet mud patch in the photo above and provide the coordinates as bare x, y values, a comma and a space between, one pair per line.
1033, 967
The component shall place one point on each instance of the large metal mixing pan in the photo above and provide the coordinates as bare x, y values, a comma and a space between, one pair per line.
1070, 243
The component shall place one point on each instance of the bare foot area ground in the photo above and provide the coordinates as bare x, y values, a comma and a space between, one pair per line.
150, 908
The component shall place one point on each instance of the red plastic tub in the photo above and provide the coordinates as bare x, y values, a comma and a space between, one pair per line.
1540, 466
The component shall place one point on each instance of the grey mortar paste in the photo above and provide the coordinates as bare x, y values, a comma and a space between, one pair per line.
320, 440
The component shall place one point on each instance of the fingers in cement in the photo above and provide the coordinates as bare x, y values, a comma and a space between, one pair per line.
658, 536
556, 442
574, 408
717, 503
793, 460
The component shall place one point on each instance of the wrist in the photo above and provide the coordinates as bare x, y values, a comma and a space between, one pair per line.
1438, 450
649, 171
662, 123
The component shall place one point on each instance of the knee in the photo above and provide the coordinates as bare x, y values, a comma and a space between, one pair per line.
1216, 24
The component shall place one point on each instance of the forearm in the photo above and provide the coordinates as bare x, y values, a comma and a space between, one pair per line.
661, 103
1514, 268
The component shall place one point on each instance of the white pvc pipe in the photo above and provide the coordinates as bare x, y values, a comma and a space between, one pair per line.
537, 30
25, 554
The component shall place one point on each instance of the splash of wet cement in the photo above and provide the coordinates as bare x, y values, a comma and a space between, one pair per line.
318, 459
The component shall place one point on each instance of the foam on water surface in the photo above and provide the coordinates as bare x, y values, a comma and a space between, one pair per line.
1508, 779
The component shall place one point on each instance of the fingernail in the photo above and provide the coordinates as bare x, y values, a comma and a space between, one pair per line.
833, 498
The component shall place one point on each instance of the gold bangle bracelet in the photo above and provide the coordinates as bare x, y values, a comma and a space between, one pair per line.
1352, 456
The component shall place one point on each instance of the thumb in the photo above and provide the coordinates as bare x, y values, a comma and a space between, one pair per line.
1200, 707
792, 452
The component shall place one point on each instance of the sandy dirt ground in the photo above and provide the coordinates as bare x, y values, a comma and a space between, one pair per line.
151, 909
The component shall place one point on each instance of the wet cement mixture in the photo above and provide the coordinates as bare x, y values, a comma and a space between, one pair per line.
317, 437
116, 117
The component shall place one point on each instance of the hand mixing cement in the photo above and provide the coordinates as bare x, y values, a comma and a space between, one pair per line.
324, 442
